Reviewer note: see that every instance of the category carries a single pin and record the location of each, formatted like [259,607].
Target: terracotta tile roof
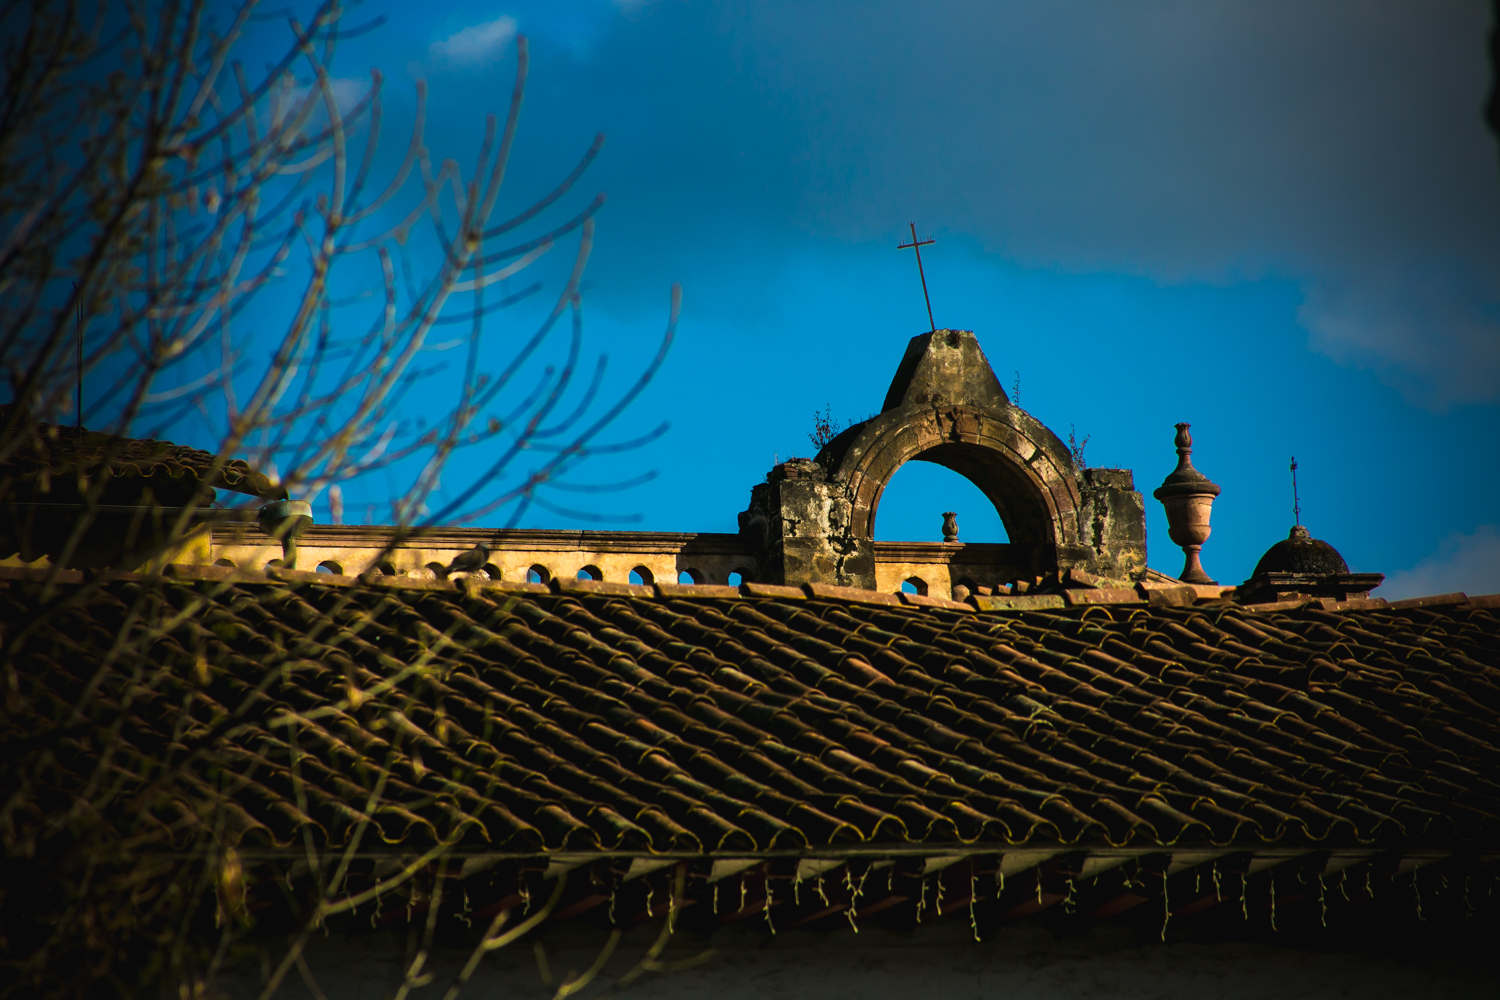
[599,718]
[52,451]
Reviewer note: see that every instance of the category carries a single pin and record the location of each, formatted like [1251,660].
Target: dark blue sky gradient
[1277,221]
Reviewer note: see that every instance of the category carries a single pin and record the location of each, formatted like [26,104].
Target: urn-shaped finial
[1188,497]
[950,526]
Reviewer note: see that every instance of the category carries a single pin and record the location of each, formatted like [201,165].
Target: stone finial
[1188,497]
[950,526]
[285,520]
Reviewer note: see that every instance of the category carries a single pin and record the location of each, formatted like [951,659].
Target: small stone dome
[1302,554]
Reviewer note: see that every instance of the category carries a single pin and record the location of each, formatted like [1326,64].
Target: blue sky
[1277,221]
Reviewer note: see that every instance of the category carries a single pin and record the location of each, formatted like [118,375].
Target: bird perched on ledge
[471,561]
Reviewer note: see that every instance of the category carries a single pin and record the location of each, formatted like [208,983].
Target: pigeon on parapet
[471,561]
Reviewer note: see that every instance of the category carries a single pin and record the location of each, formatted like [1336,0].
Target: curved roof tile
[602,722]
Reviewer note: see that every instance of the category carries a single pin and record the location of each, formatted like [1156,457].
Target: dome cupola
[1301,567]
[1302,554]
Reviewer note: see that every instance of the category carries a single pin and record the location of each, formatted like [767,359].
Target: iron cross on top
[917,245]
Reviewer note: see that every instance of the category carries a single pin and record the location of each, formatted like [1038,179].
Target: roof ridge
[1014,604]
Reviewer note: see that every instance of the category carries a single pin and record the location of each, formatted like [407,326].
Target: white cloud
[347,93]
[476,43]
[1470,563]
[1435,335]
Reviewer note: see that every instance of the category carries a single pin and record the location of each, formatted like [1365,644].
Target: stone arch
[814,520]
[1019,465]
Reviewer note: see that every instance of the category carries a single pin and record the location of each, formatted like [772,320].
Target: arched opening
[1017,464]
[229,563]
[690,576]
[738,576]
[492,571]
[642,577]
[914,585]
[590,573]
[384,568]
[538,574]
[911,507]
[329,566]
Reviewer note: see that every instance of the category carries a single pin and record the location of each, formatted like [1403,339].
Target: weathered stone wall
[799,526]
[1112,523]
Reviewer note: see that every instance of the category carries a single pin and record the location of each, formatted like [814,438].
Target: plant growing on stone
[825,428]
[1075,448]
